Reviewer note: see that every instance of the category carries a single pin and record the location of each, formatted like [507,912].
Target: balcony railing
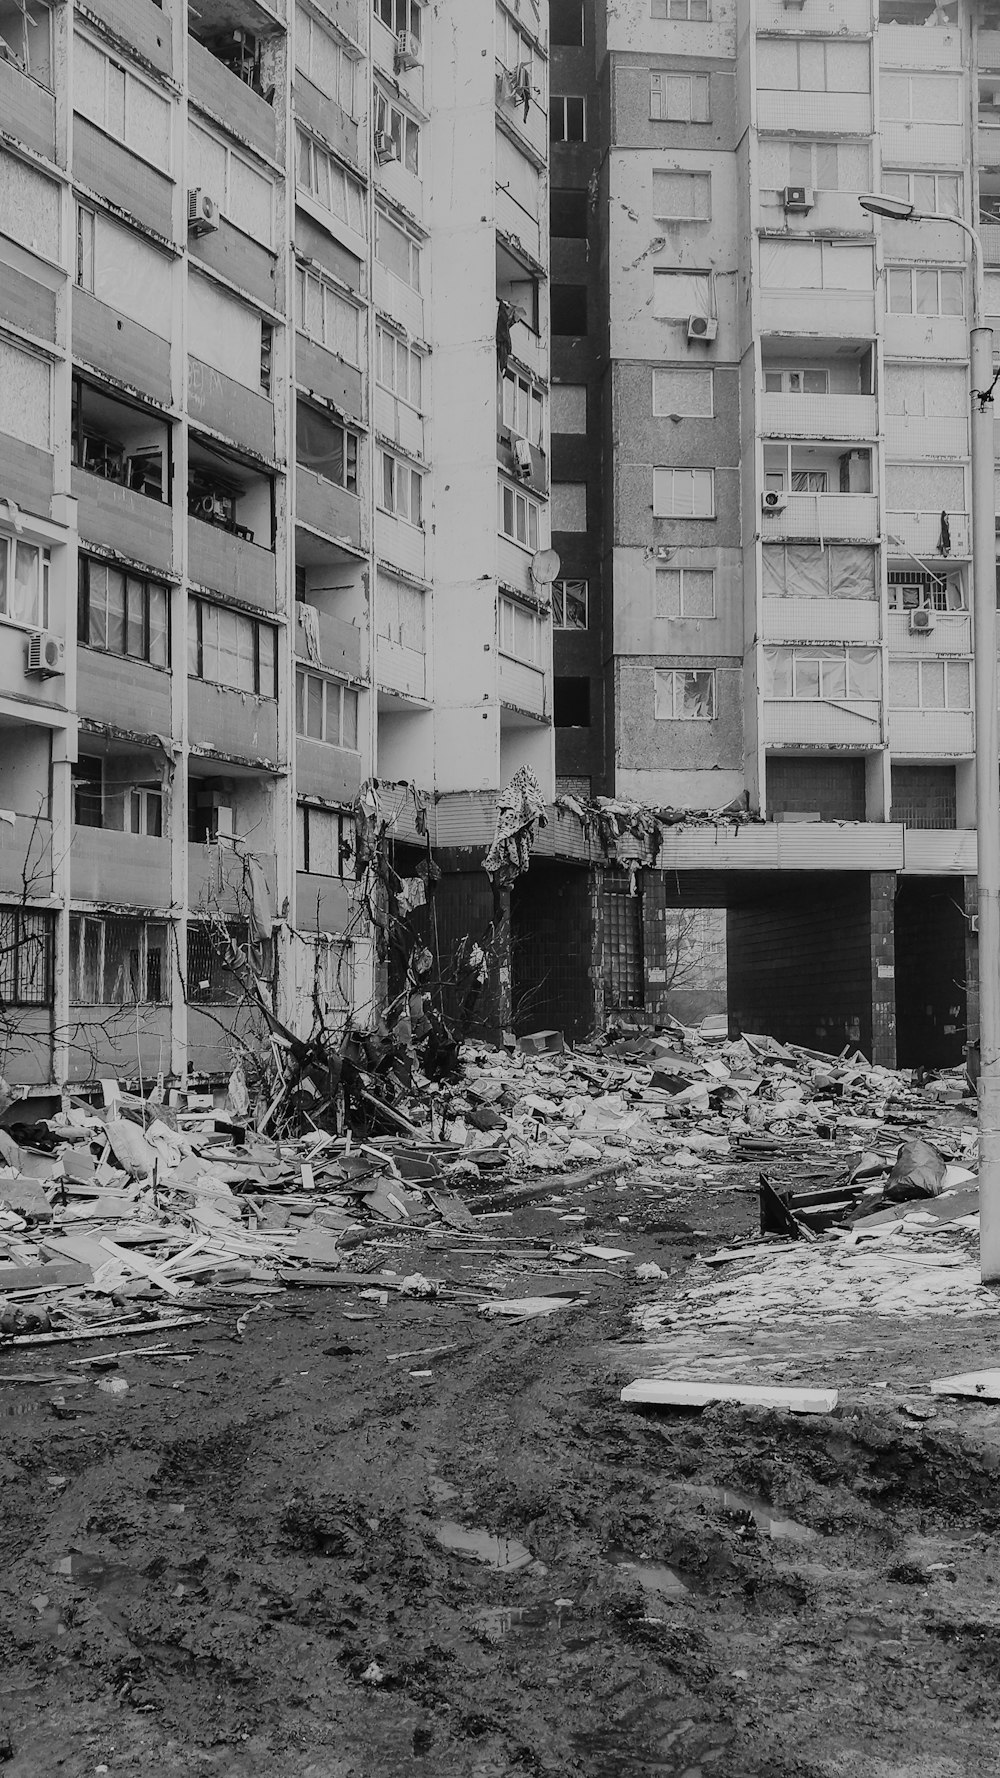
[951,635]
[820,416]
[853,516]
[820,620]
[846,113]
[927,733]
[789,722]
[919,46]
[919,533]
[911,435]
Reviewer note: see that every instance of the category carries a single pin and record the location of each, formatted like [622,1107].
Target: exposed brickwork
[554,950]
[833,788]
[924,795]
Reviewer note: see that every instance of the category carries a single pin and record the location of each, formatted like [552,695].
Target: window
[682,196]
[684,694]
[326,447]
[24,583]
[804,380]
[324,61]
[85,225]
[326,710]
[26,381]
[397,250]
[25,958]
[684,493]
[324,841]
[402,131]
[808,571]
[569,506]
[401,489]
[813,65]
[696,11]
[685,592]
[144,810]
[121,104]
[330,184]
[689,393]
[798,481]
[568,215]
[117,961]
[680,98]
[26,38]
[925,290]
[519,633]
[518,516]
[568,403]
[515,50]
[226,647]
[326,316]
[566,22]
[569,605]
[930,685]
[87,778]
[624,968]
[243,191]
[815,265]
[910,590]
[122,613]
[568,308]
[838,674]
[570,702]
[567,119]
[398,367]
[920,98]
[400,15]
[678,295]
[522,407]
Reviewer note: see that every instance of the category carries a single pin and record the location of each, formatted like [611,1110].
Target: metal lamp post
[987,728]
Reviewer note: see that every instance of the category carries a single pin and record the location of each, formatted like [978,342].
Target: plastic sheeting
[841,674]
[804,571]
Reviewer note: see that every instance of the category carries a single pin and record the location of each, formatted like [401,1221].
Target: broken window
[117,961]
[88,791]
[26,37]
[326,447]
[120,441]
[209,980]
[26,946]
[570,701]
[569,604]
[566,22]
[568,215]
[24,583]
[569,309]
[567,118]
[397,134]
[400,489]
[522,407]
[324,841]
[684,694]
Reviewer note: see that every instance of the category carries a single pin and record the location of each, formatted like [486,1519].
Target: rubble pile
[137,1214]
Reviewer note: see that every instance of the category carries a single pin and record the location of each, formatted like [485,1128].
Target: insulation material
[816,672]
[805,571]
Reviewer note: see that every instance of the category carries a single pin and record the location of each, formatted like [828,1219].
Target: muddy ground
[240,1565]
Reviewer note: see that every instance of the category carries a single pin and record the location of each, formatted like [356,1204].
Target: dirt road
[425,1544]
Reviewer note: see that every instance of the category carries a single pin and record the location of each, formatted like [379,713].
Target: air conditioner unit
[522,457]
[773,500]
[46,654]
[798,199]
[921,620]
[408,53]
[702,327]
[203,213]
[385,147]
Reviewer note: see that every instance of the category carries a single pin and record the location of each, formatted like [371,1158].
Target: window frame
[896,269]
[682,11]
[329,293]
[512,617]
[415,246]
[96,925]
[394,472]
[343,838]
[144,587]
[518,393]
[923,666]
[316,31]
[680,615]
[350,448]
[691,471]
[700,181]
[675,675]
[131,78]
[658,109]
[10,546]
[392,119]
[23,59]
[559,104]
[518,501]
[410,10]
[401,347]
[319,156]
[559,607]
[199,643]
[22,929]
[330,684]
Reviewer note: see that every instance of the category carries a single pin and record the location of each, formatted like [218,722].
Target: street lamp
[987,729]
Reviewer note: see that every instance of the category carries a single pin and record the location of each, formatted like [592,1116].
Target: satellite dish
[544,567]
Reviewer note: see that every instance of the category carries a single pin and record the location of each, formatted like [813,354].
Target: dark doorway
[931,1008]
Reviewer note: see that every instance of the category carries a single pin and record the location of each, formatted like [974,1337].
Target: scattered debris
[660,1392]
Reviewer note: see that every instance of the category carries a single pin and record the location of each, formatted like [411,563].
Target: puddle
[746,1506]
[484,1546]
[497,1621]
[653,1577]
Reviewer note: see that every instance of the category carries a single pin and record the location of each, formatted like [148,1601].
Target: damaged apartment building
[761,496]
[263,544]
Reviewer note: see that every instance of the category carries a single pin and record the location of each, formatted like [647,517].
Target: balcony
[919,532]
[816,18]
[120,347]
[835,314]
[820,620]
[397,419]
[132,524]
[217,879]
[142,25]
[119,869]
[239,413]
[323,374]
[401,669]
[919,46]
[787,722]
[324,116]
[217,90]
[937,852]
[225,563]
[128,693]
[28,110]
[27,475]
[820,416]
[400,543]
[845,114]
[921,144]
[126,181]
[233,723]
[326,508]
[952,634]
[322,904]
[108,1041]
[928,734]
[338,642]
[910,436]
[838,211]
[26,857]
[852,517]
[332,773]
[522,687]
